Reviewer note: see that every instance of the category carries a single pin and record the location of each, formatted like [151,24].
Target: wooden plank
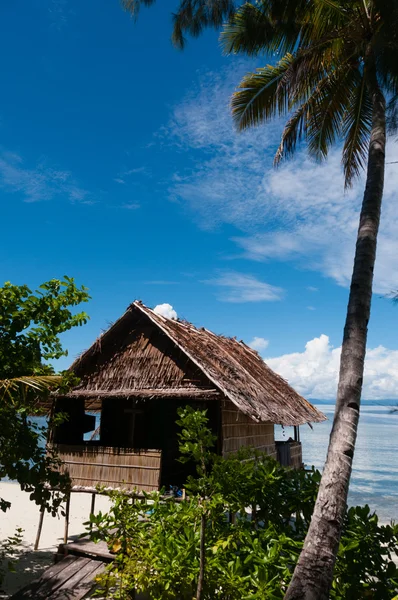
[48,588]
[80,583]
[81,588]
[29,591]
[85,547]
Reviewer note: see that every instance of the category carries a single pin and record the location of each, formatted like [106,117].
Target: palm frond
[317,118]
[193,16]
[327,114]
[133,6]
[253,30]
[327,15]
[293,132]
[277,89]
[296,128]
[357,125]
[261,96]
[392,116]
[21,385]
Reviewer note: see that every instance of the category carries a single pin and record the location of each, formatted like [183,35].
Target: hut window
[91,426]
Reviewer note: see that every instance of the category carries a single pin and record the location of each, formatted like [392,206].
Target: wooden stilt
[48,440]
[41,518]
[92,504]
[92,508]
[67,508]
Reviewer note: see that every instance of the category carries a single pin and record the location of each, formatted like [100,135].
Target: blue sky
[119,166]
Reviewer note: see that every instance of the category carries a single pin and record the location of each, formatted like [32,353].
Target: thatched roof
[217,365]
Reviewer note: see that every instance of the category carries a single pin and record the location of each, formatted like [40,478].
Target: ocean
[374,479]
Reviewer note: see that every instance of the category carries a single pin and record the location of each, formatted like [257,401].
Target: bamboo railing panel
[118,468]
[296,455]
[240,431]
[289,454]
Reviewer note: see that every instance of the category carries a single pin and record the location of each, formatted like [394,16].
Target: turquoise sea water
[375,470]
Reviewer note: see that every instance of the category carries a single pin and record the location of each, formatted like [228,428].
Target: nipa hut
[135,377]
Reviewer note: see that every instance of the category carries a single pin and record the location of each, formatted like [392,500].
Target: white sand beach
[25,514]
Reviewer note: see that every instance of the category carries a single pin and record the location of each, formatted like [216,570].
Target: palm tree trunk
[313,574]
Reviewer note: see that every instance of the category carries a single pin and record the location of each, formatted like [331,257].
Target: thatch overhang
[217,367]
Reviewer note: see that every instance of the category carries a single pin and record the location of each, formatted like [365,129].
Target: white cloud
[239,287]
[165,310]
[298,213]
[131,206]
[311,288]
[311,308]
[41,182]
[259,344]
[314,372]
[125,173]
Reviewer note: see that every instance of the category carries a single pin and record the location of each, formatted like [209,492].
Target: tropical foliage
[157,541]
[30,326]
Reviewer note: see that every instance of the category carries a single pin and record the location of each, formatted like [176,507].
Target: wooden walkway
[73,577]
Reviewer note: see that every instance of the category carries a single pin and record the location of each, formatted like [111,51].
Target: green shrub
[156,541]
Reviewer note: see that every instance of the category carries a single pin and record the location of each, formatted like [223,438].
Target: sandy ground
[25,514]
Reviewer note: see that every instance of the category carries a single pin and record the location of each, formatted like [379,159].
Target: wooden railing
[90,465]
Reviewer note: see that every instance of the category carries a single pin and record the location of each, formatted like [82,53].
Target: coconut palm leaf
[193,16]
[262,95]
[255,30]
[133,6]
[325,123]
[304,124]
[39,384]
[357,125]
[277,89]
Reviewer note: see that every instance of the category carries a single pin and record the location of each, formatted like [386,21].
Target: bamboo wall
[124,468]
[296,456]
[239,430]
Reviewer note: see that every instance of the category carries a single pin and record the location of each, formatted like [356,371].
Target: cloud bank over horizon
[314,372]
[298,213]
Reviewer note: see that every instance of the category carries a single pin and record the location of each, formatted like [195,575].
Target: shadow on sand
[28,564]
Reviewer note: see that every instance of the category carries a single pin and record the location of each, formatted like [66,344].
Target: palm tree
[336,80]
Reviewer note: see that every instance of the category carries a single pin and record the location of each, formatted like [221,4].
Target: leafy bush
[157,541]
